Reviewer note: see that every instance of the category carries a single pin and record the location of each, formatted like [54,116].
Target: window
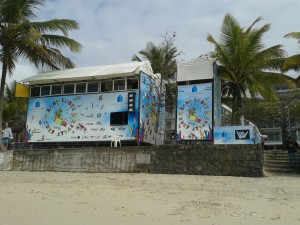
[118,118]
[80,88]
[45,90]
[35,91]
[132,83]
[93,87]
[106,85]
[56,89]
[269,125]
[69,89]
[119,85]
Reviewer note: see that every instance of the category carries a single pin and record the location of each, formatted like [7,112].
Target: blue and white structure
[95,104]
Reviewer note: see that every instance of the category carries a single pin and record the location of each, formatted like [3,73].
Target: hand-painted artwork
[81,118]
[234,134]
[194,112]
[217,97]
[148,108]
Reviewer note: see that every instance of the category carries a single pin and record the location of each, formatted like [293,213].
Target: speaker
[131,101]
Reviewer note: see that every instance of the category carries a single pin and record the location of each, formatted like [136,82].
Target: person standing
[292,147]
[6,136]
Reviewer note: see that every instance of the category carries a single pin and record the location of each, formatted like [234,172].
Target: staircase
[277,161]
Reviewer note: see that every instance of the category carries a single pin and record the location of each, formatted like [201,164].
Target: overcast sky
[111,31]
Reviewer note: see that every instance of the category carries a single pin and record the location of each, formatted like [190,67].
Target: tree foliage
[22,37]
[292,62]
[245,65]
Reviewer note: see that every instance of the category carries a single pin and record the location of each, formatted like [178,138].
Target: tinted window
[45,90]
[69,89]
[93,87]
[35,91]
[132,83]
[118,118]
[81,88]
[56,89]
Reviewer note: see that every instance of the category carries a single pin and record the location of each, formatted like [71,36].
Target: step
[277,163]
[280,170]
[276,158]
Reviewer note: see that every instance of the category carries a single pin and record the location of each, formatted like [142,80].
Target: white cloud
[111,31]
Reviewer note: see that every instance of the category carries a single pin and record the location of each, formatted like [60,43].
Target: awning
[91,73]
[199,69]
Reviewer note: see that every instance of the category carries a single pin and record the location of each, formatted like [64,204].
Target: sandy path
[49,198]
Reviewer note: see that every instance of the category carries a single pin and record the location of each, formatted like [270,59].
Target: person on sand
[292,147]
[6,136]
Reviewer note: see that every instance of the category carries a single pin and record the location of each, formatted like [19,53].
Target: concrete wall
[228,160]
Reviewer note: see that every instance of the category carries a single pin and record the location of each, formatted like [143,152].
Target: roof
[198,69]
[91,73]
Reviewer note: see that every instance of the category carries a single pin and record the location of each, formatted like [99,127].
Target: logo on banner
[194,89]
[242,134]
[119,98]
[37,104]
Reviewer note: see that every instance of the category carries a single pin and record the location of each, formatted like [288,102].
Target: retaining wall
[222,160]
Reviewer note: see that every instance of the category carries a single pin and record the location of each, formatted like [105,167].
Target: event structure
[96,104]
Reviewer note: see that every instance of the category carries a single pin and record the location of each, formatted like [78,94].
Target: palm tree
[163,60]
[162,57]
[292,62]
[246,66]
[20,37]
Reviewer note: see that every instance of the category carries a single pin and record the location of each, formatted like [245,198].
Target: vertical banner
[194,112]
[148,108]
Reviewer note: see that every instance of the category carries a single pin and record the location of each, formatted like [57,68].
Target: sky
[111,31]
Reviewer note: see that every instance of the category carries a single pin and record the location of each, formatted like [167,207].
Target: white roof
[91,73]
[199,69]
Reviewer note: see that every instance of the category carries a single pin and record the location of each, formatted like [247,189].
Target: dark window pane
[81,88]
[45,90]
[93,87]
[69,89]
[118,118]
[56,90]
[132,83]
[35,91]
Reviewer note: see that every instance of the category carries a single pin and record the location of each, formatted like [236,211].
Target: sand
[55,198]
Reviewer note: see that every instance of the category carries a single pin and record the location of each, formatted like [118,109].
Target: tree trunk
[2,87]
[237,105]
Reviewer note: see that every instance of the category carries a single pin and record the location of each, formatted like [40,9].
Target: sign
[234,134]
[194,112]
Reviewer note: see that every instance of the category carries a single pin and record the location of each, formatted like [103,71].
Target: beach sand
[56,198]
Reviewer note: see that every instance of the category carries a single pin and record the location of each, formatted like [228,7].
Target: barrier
[6,160]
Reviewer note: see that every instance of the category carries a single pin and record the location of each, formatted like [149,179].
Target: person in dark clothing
[292,147]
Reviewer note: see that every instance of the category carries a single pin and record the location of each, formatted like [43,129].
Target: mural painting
[81,118]
[194,112]
[149,89]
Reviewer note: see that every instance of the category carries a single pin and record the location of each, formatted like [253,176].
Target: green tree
[163,57]
[292,62]
[280,113]
[38,42]
[246,67]
[163,60]
[14,110]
